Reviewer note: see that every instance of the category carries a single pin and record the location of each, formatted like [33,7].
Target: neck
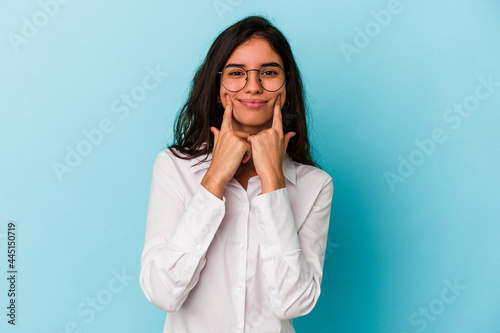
[247,168]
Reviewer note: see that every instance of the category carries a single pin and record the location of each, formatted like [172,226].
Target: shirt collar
[288,166]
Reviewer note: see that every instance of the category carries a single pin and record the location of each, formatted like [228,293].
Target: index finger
[277,118]
[227,119]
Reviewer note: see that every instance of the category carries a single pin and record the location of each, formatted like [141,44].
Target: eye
[235,72]
[269,72]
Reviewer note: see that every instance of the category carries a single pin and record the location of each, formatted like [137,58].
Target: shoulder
[311,194]
[166,157]
[171,155]
[174,161]
[167,162]
[311,183]
[309,173]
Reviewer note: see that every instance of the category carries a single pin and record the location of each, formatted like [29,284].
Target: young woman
[238,213]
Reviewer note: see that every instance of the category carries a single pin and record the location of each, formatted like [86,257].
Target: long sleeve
[293,259]
[179,230]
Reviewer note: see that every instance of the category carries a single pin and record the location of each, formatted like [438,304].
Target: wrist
[272,182]
[214,184]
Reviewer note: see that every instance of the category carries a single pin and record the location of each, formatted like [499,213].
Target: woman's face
[253,105]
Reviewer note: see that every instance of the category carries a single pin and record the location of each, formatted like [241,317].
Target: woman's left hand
[268,151]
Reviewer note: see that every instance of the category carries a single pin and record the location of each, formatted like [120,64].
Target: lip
[252,103]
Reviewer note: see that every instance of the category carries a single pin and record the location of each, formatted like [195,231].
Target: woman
[238,213]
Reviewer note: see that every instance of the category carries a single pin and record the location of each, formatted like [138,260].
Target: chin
[254,119]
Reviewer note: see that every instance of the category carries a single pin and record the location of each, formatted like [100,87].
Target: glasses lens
[234,78]
[272,78]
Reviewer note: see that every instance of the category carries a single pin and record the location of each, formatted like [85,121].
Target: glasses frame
[246,79]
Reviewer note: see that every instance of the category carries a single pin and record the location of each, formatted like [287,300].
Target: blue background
[412,213]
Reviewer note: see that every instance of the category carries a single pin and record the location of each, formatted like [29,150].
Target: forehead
[253,53]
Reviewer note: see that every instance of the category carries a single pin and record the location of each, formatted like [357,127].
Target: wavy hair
[192,135]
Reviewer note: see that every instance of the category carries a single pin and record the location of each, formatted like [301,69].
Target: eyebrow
[267,64]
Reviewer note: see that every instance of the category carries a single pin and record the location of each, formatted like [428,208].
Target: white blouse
[248,263]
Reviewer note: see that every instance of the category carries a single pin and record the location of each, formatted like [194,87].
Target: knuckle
[242,145]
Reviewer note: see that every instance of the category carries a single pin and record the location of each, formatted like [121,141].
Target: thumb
[216,132]
[287,138]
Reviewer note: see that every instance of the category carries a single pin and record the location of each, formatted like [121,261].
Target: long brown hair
[202,109]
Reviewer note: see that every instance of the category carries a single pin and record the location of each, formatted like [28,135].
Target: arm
[292,260]
[178,234]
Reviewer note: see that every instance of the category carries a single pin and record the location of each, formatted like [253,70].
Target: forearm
[171,264]
[292,259]
[163,281]
[180,228]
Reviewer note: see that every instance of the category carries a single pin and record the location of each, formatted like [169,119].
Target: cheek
[222,97]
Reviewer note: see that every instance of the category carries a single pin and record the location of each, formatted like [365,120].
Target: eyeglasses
[235,79]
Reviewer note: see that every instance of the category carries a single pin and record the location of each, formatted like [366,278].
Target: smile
[252,103]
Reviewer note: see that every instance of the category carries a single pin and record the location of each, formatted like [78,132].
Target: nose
[253,82]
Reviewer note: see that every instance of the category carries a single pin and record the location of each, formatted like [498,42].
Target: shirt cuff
[201,219]
[275,224]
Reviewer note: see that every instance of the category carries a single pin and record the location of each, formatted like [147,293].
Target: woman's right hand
[230,150]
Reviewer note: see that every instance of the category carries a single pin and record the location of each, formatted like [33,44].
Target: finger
[227,120]
[215,131]
[277,119]
[286,139]
[243,135]
[247,156]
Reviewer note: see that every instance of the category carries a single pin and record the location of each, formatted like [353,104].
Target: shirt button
[266,247]
[240,287]
[217,213]
[206,231]
[243,208]
[238,327]
[199,247]
[242,246]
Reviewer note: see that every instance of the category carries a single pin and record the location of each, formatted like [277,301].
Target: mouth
[252,103]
